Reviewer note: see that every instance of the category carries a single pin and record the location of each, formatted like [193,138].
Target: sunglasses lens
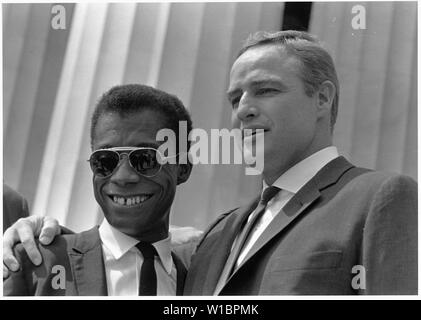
[104,162]
[145,162]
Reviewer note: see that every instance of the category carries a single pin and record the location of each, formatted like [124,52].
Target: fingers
[49,230]
[5,272]
[25,233]
[23,230]
[9,261]
[9,240]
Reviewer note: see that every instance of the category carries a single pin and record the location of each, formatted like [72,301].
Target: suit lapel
[292,210]
[307,195]
[87,262]
[181,274]
[222,247]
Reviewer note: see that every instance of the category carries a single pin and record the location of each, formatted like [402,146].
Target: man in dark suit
[130,253]
[328,227]
[15,206]
[320,224]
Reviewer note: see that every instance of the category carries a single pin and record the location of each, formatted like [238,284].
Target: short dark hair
[127,99]
[316,63]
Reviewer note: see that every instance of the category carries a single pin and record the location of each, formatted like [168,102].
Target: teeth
[130,201]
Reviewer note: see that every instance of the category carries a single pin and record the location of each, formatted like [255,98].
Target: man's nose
[247,108]
[124,173]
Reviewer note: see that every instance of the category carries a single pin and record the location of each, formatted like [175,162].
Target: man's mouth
[130,200]
[247,133]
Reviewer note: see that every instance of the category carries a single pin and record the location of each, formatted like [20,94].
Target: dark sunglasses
[145,161]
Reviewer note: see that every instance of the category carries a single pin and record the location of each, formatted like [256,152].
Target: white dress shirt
[123,262]
[289,183]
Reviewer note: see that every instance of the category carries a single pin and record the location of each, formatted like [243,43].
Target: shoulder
[387,199]
[11,194]
[394,188]
[385,182]
[13,199]
[58,250]
[55,253]
[379,191]
[216,225]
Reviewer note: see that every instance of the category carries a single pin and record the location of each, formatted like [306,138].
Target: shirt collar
[297,176]
[119,243]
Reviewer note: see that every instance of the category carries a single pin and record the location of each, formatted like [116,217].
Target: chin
[130,230]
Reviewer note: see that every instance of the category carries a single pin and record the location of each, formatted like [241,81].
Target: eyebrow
[106,146]
[147,144]
[259,83]
[232,93]
[276,82]
[138,145]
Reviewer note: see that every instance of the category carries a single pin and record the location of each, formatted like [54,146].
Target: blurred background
[53,77]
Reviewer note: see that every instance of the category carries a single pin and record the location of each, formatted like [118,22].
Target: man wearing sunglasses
[130,253]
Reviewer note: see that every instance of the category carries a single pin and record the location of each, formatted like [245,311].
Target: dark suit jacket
[14,206]
[80,256]
[344,220]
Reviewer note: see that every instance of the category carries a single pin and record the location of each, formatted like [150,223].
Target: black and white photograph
[162,149]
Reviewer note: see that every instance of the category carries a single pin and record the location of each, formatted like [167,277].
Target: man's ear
[183,172]
[325,95]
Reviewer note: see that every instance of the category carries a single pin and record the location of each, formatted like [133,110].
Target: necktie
[267,195]
[147,284]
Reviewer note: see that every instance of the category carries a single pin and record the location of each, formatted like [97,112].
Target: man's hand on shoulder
[24,230]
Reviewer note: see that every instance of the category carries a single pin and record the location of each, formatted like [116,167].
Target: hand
[182,235]
[24,231]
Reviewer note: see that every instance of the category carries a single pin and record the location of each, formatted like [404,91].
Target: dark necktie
[148,280]
[267,195]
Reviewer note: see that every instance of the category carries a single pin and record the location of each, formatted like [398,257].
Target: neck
[152,235]
[273,171]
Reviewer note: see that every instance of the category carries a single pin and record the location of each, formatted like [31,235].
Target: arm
[24,230]
[390,239]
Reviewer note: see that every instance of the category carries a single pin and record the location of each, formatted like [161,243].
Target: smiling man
[130,253]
